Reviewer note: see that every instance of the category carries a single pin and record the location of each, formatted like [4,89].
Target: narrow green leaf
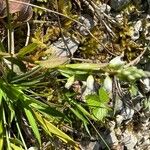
[11,113]
[44,108]
[15,147]
[79,115]
[51,129]
[1,123]
[27,49]
[2,48]
[26,75]
[33,124]
[70,72]
[84,66]
[86,113]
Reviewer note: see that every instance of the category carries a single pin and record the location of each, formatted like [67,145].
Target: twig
[136,60]
[62,35]
[28,34]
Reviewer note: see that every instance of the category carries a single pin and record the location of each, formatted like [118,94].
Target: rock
[59,47]
[127,113]
[104,8]
[137,29]
[145,85]
[119,4]
[88,22]
[88,145]
[110,139]
[112,125]
[119,119]
[129,139]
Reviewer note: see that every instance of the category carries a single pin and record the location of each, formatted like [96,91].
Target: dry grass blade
[53,62]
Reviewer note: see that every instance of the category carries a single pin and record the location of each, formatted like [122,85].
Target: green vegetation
[45,96]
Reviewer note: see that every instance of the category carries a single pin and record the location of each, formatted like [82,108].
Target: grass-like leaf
[1,123]
[33,124]
[27,49]
[51,129]
[84,66]
[52,62]
[15,147]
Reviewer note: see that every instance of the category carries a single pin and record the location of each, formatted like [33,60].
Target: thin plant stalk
[22,139]
[5,125]
[10,31]
[100,136]
[28,34]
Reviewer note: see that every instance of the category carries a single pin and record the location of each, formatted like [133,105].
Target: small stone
[112,125]
[112,139]
[91,146]
[104,8]
[88,22]
[129,140]
[127,113]
[119,119]
[59,47]
[145,85]
[137,29]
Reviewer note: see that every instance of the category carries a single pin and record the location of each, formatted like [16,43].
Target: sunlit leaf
[33,124]
[84,111]
[103,95]
[93,100]
[51,129]
[15,147]
[79,115]
[27,49]
[100,113]
[44,108]
[85,66]
[70,72]
[52,62]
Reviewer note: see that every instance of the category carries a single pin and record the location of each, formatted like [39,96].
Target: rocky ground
[106,29]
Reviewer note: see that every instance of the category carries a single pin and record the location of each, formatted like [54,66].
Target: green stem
[9,27]
[10,33]
[22,139]
[5,126]
[98,133]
